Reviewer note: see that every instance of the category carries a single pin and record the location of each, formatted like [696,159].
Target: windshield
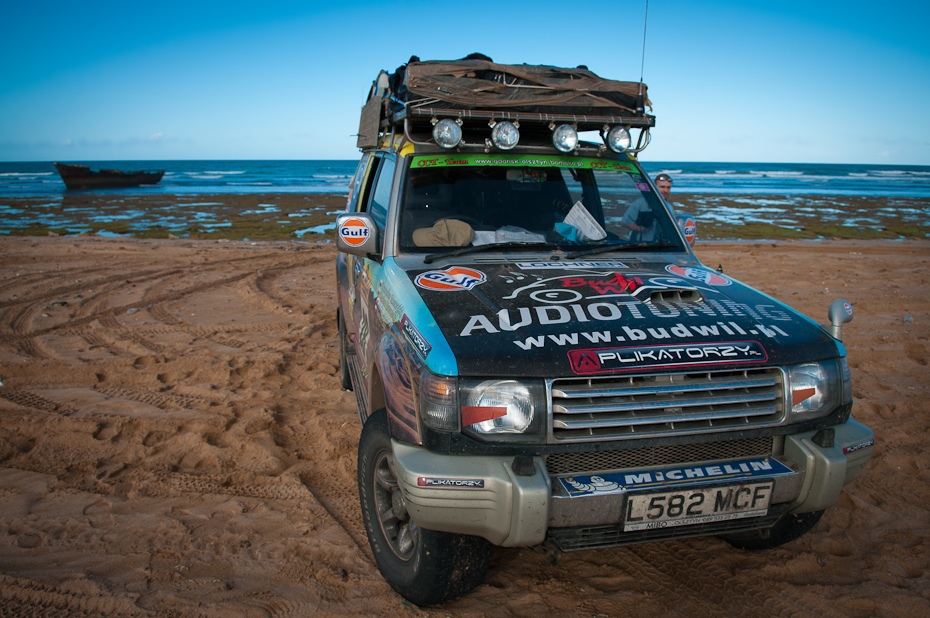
[533,201]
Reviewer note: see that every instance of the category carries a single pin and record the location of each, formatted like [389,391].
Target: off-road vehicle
[538,357]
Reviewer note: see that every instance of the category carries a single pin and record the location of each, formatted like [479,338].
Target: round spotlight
[447,133]
[618,139]
[505,135]
[565,138]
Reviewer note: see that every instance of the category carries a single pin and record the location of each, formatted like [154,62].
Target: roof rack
[476,92]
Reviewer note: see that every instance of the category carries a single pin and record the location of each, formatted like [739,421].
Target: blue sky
[814,81]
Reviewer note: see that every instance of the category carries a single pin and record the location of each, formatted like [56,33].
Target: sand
[175,443]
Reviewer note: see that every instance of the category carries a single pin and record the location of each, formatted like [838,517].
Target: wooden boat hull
[79,177]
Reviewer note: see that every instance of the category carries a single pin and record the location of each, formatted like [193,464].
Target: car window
[381,196]
[475,200]
[355,185]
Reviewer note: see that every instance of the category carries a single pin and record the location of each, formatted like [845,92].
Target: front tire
[785,530]
[424,566]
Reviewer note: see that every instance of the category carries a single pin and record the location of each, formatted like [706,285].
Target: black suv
[539,359]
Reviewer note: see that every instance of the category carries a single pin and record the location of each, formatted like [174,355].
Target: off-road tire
[787,529]
[424,566]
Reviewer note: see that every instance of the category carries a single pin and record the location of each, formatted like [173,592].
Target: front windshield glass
[571,203]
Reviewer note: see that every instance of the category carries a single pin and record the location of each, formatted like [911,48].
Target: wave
[776,173]
[898,173]
[211,174]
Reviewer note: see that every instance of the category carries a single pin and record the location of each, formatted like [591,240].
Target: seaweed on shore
[310,217]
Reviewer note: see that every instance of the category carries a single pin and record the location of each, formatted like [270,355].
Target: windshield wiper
[432,257]
[617,247]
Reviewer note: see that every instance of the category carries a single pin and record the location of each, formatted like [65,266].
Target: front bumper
[484,496]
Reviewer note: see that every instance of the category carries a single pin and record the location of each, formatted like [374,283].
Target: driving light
[447,133]
[565,138]
[505,134]
[618,139]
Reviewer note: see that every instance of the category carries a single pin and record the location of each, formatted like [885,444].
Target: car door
[363,273]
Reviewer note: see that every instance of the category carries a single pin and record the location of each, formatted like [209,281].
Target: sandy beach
[175,442]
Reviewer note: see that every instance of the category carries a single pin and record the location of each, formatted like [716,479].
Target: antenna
[642,66]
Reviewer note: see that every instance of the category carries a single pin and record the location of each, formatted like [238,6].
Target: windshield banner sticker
[460,160]
[669,477]
[611,360]
[452,279]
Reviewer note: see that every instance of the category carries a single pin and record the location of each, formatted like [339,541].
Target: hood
[550,319]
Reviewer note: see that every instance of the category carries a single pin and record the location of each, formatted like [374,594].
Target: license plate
[696,506]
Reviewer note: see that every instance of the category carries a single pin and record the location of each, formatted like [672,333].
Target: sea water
[39,179]
[190,177]
[788,195]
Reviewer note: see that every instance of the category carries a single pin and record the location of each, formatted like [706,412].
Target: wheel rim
[398,529]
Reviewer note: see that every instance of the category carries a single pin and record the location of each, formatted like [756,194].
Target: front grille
[603,461]
[595,537]
[640,406]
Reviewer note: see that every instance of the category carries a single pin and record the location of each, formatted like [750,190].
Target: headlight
[502,409]
[488,409]
[505,134]
[817,389]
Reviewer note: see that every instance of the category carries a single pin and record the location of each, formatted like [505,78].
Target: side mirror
[839,313]
[688,227]
[357,234]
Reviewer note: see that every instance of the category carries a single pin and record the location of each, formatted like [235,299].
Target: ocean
[844,200]
[39,179]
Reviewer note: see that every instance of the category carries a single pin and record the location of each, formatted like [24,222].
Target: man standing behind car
[663,183]
[639,217]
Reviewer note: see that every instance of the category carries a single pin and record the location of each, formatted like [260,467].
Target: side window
[357,182]
[381,197]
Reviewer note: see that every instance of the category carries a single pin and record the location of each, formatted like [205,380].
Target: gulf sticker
[690,230]
[452,279]
[354,232]
[698,274]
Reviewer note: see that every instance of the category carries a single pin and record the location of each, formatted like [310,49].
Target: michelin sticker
[615,482]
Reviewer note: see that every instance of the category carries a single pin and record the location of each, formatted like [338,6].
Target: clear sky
[752,81]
